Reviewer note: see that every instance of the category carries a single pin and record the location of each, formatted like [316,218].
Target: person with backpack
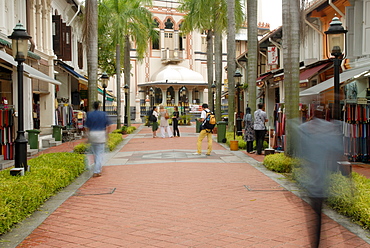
[153,119]
[206,129]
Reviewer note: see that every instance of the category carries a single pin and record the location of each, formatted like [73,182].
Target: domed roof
[175,74]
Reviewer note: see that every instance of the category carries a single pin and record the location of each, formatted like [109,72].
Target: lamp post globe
[104,80]
[20,39]
[239,131]
[126,88]
[336,42]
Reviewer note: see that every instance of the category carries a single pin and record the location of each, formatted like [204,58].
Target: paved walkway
[156,193]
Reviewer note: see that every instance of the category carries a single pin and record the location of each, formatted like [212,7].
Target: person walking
[260,117]
[164,116]
[153,118]
[175,121]
[248,130]
[96,123]
[204,132]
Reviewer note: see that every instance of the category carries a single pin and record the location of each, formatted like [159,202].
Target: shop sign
[361,100]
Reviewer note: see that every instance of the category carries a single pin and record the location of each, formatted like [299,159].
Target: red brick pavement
[184,204]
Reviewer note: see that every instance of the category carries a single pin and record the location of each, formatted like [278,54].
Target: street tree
[291,39]
[90,31]
[125,21]
[252,52]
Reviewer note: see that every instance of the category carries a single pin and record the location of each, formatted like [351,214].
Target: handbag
[166,115]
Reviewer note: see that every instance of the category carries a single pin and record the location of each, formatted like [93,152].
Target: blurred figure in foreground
[320,148]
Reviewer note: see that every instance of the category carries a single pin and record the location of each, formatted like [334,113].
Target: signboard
[83,94]
[272,55]
[361,101]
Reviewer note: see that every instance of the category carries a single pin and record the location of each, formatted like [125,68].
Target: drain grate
[95,191]
[265,188]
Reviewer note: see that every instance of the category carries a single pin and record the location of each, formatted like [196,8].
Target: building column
[176,90]
[161,33]
[3,17]
[38,32]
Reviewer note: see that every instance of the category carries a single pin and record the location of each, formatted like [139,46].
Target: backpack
[152,118]
[210,120]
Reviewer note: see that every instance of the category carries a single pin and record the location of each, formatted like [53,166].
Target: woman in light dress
[164,122]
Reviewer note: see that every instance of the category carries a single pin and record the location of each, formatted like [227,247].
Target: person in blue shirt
[96,123]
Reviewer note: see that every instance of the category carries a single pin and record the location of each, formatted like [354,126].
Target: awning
[308,73]
[31,72]
[344,76]
[110,97]
[71,71]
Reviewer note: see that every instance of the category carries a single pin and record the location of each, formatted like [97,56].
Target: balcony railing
[168,55]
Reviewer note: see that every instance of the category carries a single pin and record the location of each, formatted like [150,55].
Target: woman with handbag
[164,116]
[175,121]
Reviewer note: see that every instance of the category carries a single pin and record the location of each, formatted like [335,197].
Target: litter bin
[57,132]
[33,138]
[197,126]
[221,131]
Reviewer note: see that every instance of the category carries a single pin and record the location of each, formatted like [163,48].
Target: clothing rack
[64,114]
[7,131]
[356,130]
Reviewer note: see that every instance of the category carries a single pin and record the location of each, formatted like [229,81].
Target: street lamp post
[151,95]
[183,94]
[335,37]
[239,131]
[213,87]
[126,88]
[104,78]
[20,51]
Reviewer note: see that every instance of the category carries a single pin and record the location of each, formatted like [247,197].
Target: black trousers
[260,136]
[249,146]
[175,124]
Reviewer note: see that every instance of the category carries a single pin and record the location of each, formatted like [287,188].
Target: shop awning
[30,71]
[71,71]
[110,97]
[310,72]
[344,76]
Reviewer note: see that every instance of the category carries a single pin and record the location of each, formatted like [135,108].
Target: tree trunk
[218,72]
[231,61]
[92,50]
[127,76]
[210,68]
[291,31]
[252,53]
[118,73]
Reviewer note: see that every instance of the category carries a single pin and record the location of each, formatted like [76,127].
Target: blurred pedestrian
[260,117]
[175,121]
[248,130]
[96,123]
[164,116]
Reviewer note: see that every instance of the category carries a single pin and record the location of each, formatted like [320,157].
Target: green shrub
[81,148]
[241,143]
[130,129]
[280,163]
[350,196]
[20,196]
[113,140]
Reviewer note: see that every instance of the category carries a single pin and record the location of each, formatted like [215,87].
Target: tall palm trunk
[127,76]
[218,72]
[231,61]
[92,49]
[118,73]
[210,67]
[291,30]
[252,52]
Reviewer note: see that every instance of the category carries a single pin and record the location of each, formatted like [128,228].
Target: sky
[271,12]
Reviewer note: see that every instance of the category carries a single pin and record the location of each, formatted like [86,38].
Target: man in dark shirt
[97,123]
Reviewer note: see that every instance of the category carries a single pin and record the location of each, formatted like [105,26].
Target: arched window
[168,24]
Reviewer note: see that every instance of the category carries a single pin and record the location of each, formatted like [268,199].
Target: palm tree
[126,21]
[252,52]
[291,31]
[210,15]
[91,38]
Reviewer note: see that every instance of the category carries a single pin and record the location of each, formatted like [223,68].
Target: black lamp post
[213,87]
[126,88]
[182,95]
[151,95]
[20,51]
[239,131]
[104,81]
[335,37]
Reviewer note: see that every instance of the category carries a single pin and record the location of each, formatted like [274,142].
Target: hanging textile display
[64,115]
[7,132]
[356,130]
[279,125]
